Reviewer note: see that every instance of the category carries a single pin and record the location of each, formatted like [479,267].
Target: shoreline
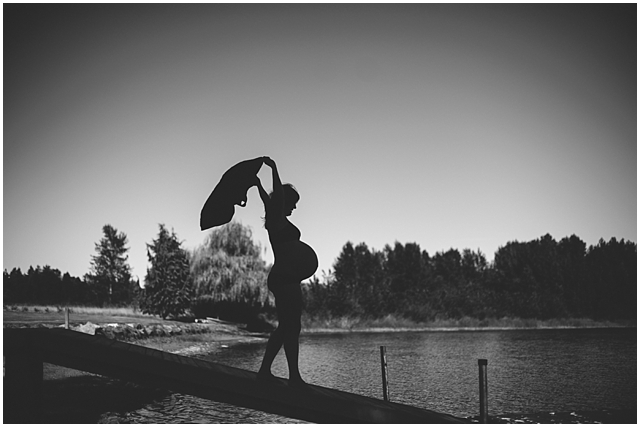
[209,335]
[194,338]
[391,323]
[453,329]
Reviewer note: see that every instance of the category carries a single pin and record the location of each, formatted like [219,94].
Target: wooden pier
[26,349]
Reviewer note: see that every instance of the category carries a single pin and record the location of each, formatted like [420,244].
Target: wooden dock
[26,349]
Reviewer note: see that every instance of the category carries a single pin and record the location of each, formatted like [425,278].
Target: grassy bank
[105,311]
[313,323]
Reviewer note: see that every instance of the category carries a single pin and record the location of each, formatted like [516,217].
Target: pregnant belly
[296,259]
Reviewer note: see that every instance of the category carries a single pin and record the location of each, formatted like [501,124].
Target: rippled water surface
[531,371]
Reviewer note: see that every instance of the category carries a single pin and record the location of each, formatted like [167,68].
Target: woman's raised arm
[263,193]
[276,202]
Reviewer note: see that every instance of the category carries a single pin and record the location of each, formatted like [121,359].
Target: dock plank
[209,380]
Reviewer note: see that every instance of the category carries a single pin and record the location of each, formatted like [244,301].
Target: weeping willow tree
[228,268]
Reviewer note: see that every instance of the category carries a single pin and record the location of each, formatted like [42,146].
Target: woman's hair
[290,194]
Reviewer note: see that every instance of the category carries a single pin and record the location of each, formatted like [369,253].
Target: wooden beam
[22,386]
[208,380]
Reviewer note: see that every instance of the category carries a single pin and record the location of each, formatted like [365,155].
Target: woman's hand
[269,162]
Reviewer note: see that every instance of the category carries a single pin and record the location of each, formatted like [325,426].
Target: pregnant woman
[294,262]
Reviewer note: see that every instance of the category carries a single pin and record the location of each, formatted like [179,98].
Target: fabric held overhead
[231,190]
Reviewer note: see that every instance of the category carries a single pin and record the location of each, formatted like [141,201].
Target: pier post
[385,377]
[22,398]
[66,317]
[484,404]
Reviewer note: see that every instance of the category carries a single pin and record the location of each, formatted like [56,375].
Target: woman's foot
[266,376]
[297,382]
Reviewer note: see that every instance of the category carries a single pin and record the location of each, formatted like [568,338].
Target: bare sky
[452,126]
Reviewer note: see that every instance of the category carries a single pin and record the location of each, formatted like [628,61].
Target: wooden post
[66,317]
[484,404]
[385,382]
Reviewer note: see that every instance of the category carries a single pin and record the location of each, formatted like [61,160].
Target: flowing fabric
[231,190]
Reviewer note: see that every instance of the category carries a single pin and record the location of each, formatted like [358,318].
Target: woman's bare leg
[287,334]
[274,344]
[291,331]
[292,350]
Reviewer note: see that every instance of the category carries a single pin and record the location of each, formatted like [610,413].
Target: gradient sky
[452,126]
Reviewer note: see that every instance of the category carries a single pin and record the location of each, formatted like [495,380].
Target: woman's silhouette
[294,261]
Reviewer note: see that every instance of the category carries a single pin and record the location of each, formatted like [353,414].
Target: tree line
[226,277]
[541,279]
[108,282]
[223,277]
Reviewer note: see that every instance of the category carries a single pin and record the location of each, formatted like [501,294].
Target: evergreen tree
[168,286]
[315,295]
[13,286]
[110,274]
[345,279]
[406,270]
[372,292]
[572,259]
[612,271]
[43,286]
[357,285]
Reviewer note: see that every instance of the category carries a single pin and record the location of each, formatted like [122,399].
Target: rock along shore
[140,331]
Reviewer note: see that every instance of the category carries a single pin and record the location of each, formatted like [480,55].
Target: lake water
[529,372]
